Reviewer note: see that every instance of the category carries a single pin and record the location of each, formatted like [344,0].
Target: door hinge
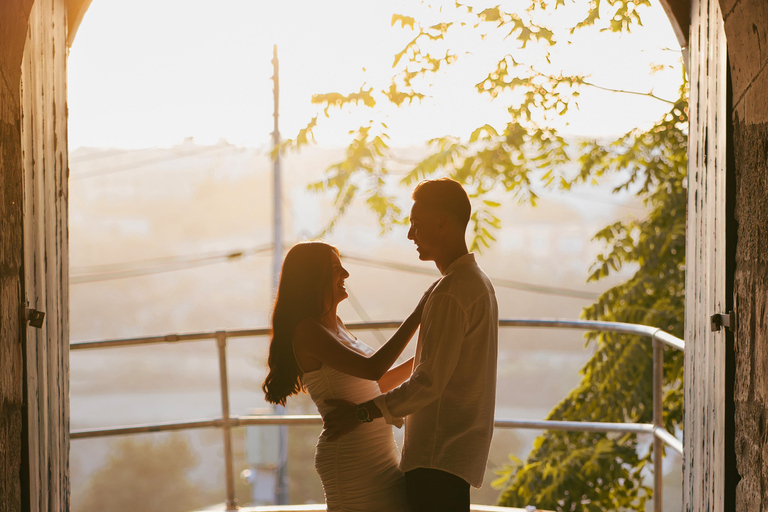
[34,317]
[719,320]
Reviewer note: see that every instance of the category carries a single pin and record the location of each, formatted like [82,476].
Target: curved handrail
[586,325]
[226,422]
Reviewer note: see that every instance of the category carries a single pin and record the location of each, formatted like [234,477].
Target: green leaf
[405,21]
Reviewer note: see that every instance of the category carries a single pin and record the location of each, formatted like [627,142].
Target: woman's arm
[396,376]
[313,340]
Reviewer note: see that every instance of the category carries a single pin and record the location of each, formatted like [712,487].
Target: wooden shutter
[46,264]
[703,471]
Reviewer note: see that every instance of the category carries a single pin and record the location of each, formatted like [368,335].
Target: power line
[98,273]
[592,198]
[503,283]
[133,265]
[109,276]
[99,156]
[136,165]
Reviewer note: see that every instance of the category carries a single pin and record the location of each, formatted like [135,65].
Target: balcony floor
[321,508]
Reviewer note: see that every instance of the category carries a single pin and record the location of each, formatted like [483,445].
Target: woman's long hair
[305,282]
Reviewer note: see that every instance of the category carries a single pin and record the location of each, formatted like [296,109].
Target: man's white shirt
[450,397]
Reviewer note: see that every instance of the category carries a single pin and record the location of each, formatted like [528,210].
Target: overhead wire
[503,283]
[135,165]
[98,273]
[99,155]
[142,163]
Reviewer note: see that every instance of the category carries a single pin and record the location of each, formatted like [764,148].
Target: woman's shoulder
[307,327]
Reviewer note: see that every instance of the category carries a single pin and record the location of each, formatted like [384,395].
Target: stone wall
[746,27]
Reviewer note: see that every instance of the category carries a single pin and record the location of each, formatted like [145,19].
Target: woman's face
[338,275]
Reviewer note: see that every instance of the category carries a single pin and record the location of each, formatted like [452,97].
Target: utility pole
[277,185]
[281,486]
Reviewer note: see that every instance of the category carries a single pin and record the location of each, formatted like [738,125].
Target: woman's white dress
[360,471]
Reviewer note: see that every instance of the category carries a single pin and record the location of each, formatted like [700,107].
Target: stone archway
[746,30]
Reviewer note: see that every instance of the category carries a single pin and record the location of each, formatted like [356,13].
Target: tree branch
[637,93]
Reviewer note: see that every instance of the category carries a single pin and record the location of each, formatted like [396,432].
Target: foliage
[526,151]
[565,471]
[586,471]
[144,475]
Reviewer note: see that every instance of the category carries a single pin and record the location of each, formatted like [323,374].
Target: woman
[312,350]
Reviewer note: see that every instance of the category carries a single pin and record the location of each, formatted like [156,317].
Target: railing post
[221,341]
[658,420]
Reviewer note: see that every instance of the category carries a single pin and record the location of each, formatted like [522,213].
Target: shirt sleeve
[442,326]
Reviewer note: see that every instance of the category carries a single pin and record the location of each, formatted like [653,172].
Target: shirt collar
[461,260]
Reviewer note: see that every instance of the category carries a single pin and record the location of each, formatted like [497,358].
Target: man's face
[425,231]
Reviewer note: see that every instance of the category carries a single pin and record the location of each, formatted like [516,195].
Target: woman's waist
[377,431]
[328,391]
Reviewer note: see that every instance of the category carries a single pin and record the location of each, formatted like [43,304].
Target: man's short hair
[446,196]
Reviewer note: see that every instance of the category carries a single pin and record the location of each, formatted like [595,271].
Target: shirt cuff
[381,403]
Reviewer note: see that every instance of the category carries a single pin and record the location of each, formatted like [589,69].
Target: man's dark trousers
[432,490]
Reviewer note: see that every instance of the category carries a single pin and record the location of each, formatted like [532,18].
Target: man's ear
[442,223]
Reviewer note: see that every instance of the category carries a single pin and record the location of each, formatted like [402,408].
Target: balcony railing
[226,422]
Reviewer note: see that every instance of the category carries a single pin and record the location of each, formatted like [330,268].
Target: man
[450,397]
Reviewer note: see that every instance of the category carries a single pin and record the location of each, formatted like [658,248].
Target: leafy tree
[587,471]
[565,471]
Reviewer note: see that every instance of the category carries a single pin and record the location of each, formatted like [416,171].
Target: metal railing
[226,422]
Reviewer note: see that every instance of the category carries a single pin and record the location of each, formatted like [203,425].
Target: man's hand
[341,420]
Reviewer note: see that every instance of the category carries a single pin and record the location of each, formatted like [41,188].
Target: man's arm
[347,416]
[443,325]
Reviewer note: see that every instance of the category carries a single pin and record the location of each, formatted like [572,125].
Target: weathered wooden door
[46,264]
[705,349]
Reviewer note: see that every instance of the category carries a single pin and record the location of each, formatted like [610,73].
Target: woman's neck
[329,319]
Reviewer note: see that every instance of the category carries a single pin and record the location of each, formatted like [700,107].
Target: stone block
[751,290]
[760,340]
[726,6]
[755,99]
[743,346]
[748,496]
[749,454]
[764,465]
[746,30]
[751,148]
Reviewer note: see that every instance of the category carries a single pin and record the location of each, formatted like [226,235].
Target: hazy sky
[151,72]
